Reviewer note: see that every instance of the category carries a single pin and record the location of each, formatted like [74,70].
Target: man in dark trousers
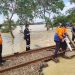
[73,32]
[1,59]
[60,42]
[27,37]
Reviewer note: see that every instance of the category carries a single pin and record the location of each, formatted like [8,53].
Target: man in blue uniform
[59,39]
[27,37]
[73,32]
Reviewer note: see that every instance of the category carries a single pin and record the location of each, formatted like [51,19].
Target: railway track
[25,62]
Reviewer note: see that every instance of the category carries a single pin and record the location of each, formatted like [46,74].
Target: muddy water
[64,67]
[39,38]
[11,46]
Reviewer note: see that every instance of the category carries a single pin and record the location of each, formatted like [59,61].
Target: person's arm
[24,34]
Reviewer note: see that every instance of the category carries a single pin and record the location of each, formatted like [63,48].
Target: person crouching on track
[60,41]
[1,60]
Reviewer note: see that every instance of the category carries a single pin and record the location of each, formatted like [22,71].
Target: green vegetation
[60,19]
[6,27]
[71,16]
[7,8]
[27,10]
[46,7]
[72,1]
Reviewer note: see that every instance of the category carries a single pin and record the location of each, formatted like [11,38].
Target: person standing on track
[27,37]
[1,59]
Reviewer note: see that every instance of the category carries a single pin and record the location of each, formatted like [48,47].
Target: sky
[67,6]
[65,1]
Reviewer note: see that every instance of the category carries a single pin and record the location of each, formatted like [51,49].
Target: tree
[71,15]
[46,7]
[49,23]
[25,11]
[72,1]
[7,8]
[6,28]
[60,19]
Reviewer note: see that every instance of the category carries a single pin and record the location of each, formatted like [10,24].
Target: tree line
[27,10]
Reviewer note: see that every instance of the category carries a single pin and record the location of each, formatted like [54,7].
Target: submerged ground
[64,67]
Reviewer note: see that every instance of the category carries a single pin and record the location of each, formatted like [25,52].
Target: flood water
[39,38]
[64,67]
[10,46]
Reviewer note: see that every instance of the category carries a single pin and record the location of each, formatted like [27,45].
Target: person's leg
[64,47]
[27,44]
[73,37]
[0,53]
[1,60]
[56,51]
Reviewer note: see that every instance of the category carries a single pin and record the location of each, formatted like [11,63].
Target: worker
[60,41]
[73,32]
[1,59]
[27,37]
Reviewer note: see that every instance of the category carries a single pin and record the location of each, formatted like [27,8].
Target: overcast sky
[67,6]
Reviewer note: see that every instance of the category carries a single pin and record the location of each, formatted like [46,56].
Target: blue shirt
[56,37]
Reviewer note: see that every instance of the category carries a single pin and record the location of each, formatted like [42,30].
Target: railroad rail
[23,59]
